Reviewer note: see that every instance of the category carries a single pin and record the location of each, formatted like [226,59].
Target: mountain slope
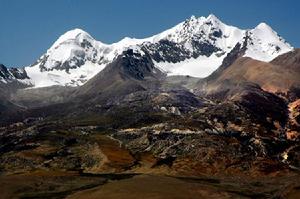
[195,47]
[9,75]
[290,60]
[128,73]
[281,75]
[12,79]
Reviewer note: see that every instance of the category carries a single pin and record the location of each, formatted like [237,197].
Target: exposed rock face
[136,65]
[4,72]
[12,79]
[130,72]
[12,74]
[168,51]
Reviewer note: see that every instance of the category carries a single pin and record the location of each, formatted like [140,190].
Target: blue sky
[29,27]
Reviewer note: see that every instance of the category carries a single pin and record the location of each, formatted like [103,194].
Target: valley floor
[72,185]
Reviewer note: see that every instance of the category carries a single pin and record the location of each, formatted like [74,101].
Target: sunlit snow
[265,45]
[200,67]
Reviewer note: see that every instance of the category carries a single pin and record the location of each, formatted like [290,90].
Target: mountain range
[195,47]
[200,99]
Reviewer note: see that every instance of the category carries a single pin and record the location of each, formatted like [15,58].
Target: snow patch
[200,67]
[266,44]
[75,77]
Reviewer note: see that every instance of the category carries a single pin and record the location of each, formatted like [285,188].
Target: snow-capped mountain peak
[73,35]
[193,17]
[71,60]
[70,51]
[263,26]
[214,19]
[190,28]
[195,47]
[265,44]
